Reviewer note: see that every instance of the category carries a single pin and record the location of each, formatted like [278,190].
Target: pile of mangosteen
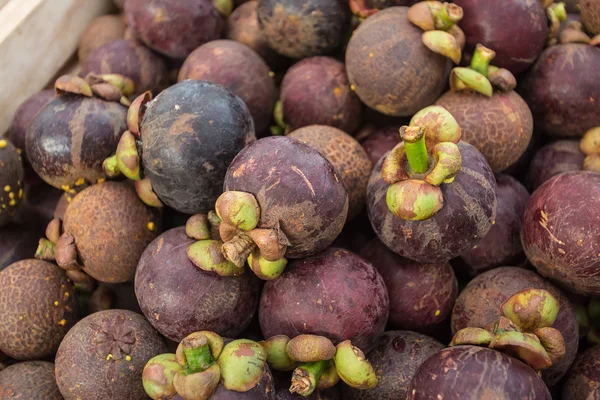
[320,199]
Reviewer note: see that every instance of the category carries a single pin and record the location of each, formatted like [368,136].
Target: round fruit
[100,31]
[380,142]
[12,175]
[22,118]
[29,380]
[590,14]
[553,159]
[583,381]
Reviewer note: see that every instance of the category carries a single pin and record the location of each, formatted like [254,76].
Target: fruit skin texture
[31,288]
[421,295]
[71,136]
[316,91]
[403,76]
[346,155]
[553,159]
[335,294]
[12,175]
[124,335]
[481,372]
[300,29]
[296,187]
[560,235]
[239,69]
[499,127]
[559,87]
[22,118]
[396,358]
[174,28]
[583,381]
[380,142]
[102,30]
[264,390]
[32,380]
[502,244]
[184,154]
[466,217]
[111,214]
[590,14]
[178,298]
[479,304]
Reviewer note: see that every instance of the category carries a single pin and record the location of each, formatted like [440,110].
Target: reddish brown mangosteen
[147,70]
[316,91]
[559,234]
[365,8]
[590,15]
[110,349]
[18,242]
[335,294]
[502,245]
[102,30]
[12,177]
[299,29]
[477,372]
[553,159]
[432,197]
[380,142]
[33,380]
[174,29]
[421,295]
[583,381]
[39,307]
[479,305]
[239,69]
[346,155]
[396,66]
[493,117]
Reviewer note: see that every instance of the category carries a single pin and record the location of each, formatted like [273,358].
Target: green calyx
[353,368]
[502,325]
[277,356]
[136,112]
[198,227]
[553,342]
[481,59]
[242,364]
[414,200]
[207,255]
[414,145]
[448,162]
[239,209]
[45,250]
[472,336]
[329,377]
[264,269]
[310,348]
[443,43]
[590,146]
[466,78]
[439,124]
[145,192]
[128,158]
[111,167]
[360,9]
[197,353]
[158,374]
[523,346]
[306,377]
[224,7]
[197,386]
[281,128]
[531,309]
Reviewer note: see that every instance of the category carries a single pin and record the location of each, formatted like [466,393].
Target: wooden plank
[3,3]
[37,37]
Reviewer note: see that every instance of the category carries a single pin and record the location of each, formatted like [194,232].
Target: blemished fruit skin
[22,118]
[100,31]
[31,380]
[583,381]
[12,183]
[479,303]
[553,159]
[479,371]
[560,235]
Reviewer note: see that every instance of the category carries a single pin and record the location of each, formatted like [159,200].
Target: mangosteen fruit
[365,8]
[174,29]
[100,31]
[39,307]
[300,29]
[590,15]
[239,69]
[502,244]
[103,355]
[346,155]
[18,242]
[380,141]
[433,196]
[480,372]
[12,175]
[316,91]
[553,159]
[583,381]
[32,380]
[22,118]
[480,302]
[335,294]
[421,295]
[560,243]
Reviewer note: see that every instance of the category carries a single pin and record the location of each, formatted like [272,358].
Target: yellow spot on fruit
[12,203]
[20,193]
[20,318]
[493,222]
[80,181]
[151,226]
[128,357]
[7,188]
[101,180]
[2,144]
[371,55]
[437,313]
[561,251]
[62,322]
[352,87]
[67,295]
[66,188]
[56,303]
[337,91]
[11,195]
[271,74]
[580,242]
[109,357]
[19,151]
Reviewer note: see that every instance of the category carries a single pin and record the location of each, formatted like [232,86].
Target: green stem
[481,59]
[306,377]
[416,151]
[559,10]
[278,115]
[45,250]
[111,167]
[197,354]
[448,16]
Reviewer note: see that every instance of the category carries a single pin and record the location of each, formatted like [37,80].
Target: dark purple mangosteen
[583,381]
[553,159]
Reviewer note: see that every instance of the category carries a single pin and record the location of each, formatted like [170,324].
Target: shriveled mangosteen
[181,143]
[396,358]
[12,175]
[477,372]
[590,15]
[559,234]
[479,305]
[335,294]
[18,242]
[239,69]
[71,135]
[102,30]
[394,66]
[33,380]
[174,29]
[109,349]
[553,159]
[421,295]
[316,91]
[502,244]
[583,381]
[39,307]
[432,197]
[299,29]
[346,155]
[493,117]
[125,57]
[380,142]
[17,130]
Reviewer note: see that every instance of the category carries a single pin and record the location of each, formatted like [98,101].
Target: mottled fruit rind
[12,177]
[112,215]
[335,294]
[296,188]
[590,15]
[190,134]
[178,298]
[560,235]
[110,349]
[479,304]
[553,159]
[583,381]
[466,217]
[38,308]
[391,70]
[22,118]
[30,380]
[100,31]
[481,372]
